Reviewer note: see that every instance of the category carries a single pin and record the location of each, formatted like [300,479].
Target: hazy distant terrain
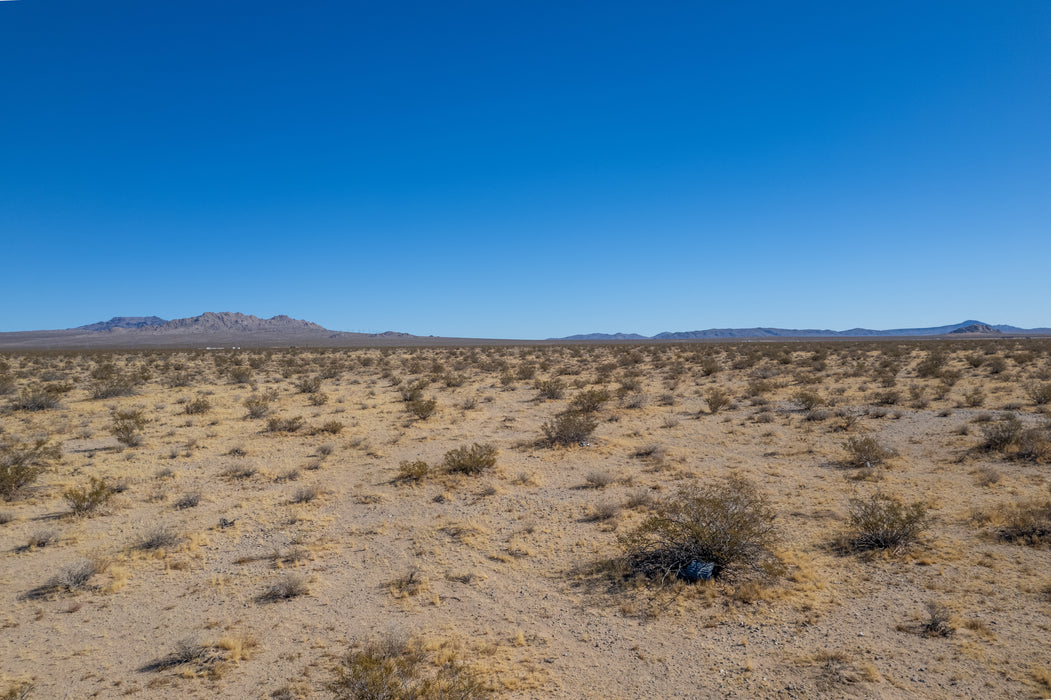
[976,327]
[228,329]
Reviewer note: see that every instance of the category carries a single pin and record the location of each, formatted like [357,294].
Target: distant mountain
[606,336]
[977,328]
[210,329]
[123,322]
[968,327]
[226,322]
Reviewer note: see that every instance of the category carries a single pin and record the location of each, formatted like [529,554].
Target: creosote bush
[111,386]
[127,426]
[1011,438]
[258,405]
[40,397]
[284,425]
[729,523]
[717,399]
[21,464]
[308,385]
[422,409]
[197,406]
[470,460]
[569,428]
[865,451]
[808,399]
[1026,523]
[589,401]
[882,521]
[550,389]
[413,471]
[1040,394]
[88,499]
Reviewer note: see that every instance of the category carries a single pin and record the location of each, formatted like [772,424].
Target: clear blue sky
[497,169]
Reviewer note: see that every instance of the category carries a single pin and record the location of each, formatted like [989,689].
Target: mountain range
[210,329]
[970,327]
[227,329]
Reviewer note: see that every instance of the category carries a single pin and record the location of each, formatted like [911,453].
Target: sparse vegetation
[413,523]
[87,500]
[729,523]
[472,459]
[717,399]
[197,406]
[415,470]
[285,588]
[394,668]
[882,521]
[40,397]
[569,428]
[865,451]
[127,426]
[22,463]
[1026,523]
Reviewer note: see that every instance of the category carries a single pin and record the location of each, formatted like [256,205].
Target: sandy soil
[508,570]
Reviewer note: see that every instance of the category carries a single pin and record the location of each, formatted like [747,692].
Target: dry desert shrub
[22,463]
[329,427]
[421,408]
[939,621]
[306,494]
[865,451]
[199,405]
[1039,393]
[394,668]
[728,523]
[284,425]
[598,479]
[285,588]
[411,583]
[160,538]
[588,401]
[472,459]
[114,385]
[1013,440]
[550,389]
[40,397]
[258,405]
[717,399]
[20,690]
[72,578]
[416,470]
[127,426]
[808,399]
[239,374]
[882,521]
[569,428]
[87,500]
[308,385]
[1028,522]
[189,500]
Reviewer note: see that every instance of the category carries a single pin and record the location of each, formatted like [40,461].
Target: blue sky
[527,170]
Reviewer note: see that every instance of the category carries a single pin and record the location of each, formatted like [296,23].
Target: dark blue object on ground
[698,571]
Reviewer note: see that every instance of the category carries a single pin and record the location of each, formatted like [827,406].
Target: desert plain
[459,521]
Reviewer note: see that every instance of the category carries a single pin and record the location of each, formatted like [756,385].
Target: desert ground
[472,521]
